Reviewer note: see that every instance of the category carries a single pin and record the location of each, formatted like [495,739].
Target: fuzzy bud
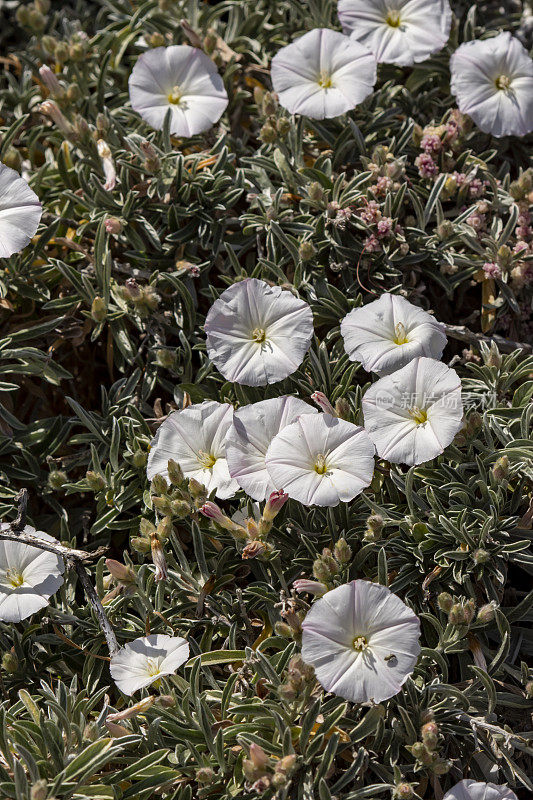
[284,126]
[98,309]
[123,575]
[480,556]
[166,358]
[158,558]
[268,134]
[342,408]
[95,480]
[10,662]
[175,472]
[500,470]
[205,775]
[159,485]
[196,488]
[445,230]
[57,479]
[140,544]
[493,358]
[50,80]
[113,225]
[403,791]
[307,251]
[39,790]
[456,615]
[315,192]
[342,551]
[445,602]
[430,735]
[486,614]
[529,690]
[50,109]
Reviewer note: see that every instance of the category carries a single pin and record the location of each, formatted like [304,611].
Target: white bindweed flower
[195,439]
[20,212]
[400,32]
[323,74]
[492,80]
[28,576]
[249,437]
[258,334]
[476,790]
[362,641]
[387,334]
[321,460]
[413,414]
[145,661]
[182,79]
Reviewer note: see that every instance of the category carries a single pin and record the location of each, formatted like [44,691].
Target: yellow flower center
[503,82]
[153,667]
[207,460]
[259,335]
[325,81]
[419,415]
[320,466]
[15,578]
[360,643]
[174,96]
[400,334]
[393,18]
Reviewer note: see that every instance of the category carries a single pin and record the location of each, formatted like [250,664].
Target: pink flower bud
[311,587]
[50,109]
[113,225]
[322,402]
[120,572]
[274,504]
[50,80]
[212,511]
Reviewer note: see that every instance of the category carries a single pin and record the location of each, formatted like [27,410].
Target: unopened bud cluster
[263,772]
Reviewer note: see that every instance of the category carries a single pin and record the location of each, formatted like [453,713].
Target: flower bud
[445,602]
[48,43]
[445,230]
[501,470]
[159,485]
[95,480]
[205,775]
[430,735]
[342,551]
[180,508]
[342,408]
[529,690]
[158,558]
[98,309]
[311,587]
[163,505]
[469,610]
[140,544]
[307,251]
[418,750]
[442,766]
[403,791]
[268,134]
[456,615]
[61,52]
[322,402]
[274,504]
[124,575]
[253,549]
[113,225]
[50,109]
[486,613]
[493,358]
[284,126]
[57,479]
[480,556]
[315,192]
[10,662]
[50,80]
[39,790]
[196,488]
[132,711]
[270,105]
[139,459]
[166,358]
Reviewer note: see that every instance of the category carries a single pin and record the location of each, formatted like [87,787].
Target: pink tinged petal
[425,384]
[369,334]
[254,426]
[359,609]
[20,212]
[413,41]
[292,457]
[252,305]
[298,69]
[475,66]
[158,71]
[476,790]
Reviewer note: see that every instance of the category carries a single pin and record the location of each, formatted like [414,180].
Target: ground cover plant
[266,478]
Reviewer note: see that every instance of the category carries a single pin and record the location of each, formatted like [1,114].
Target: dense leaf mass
[101,334]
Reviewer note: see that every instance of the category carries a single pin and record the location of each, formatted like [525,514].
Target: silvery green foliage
[102,335]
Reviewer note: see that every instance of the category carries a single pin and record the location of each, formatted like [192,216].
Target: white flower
[195,439]
[321,460]
[492,81]
[474,790]
[323,74]
[400,32]
[388,333]
[28,576]
[180,78]
[413,414]
[20,212]
[144,661]
[249,437]
[362,641]
[258,334]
